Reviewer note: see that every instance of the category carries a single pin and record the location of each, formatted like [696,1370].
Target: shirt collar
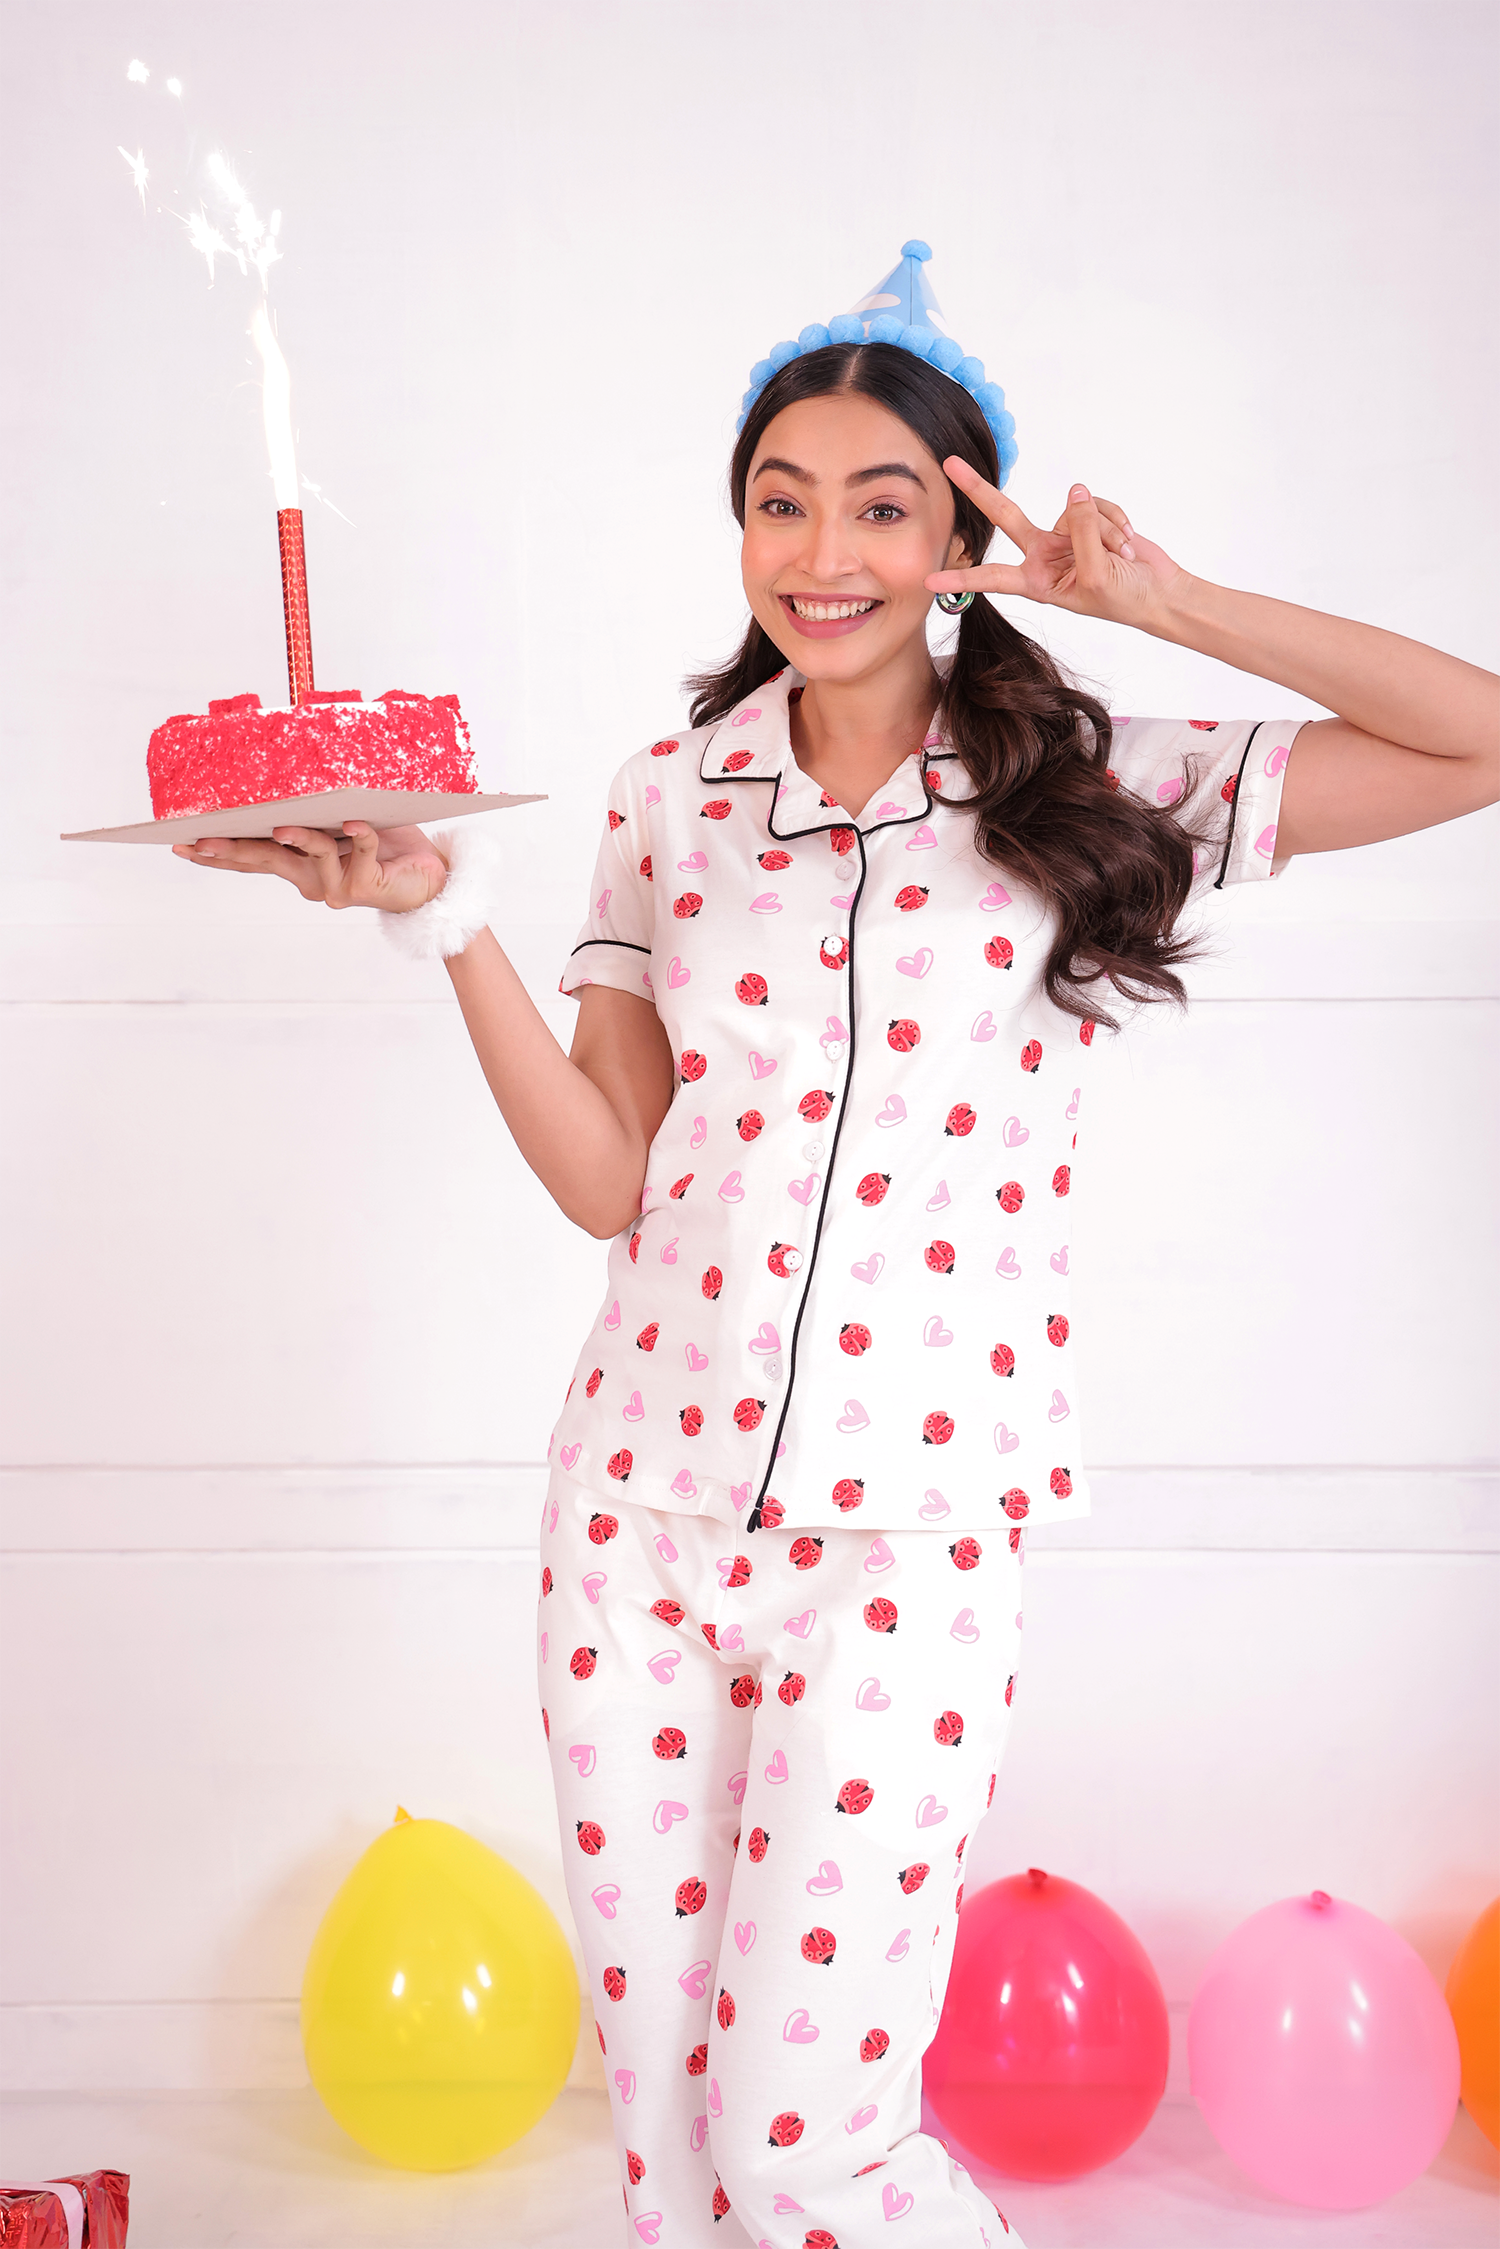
[754,743]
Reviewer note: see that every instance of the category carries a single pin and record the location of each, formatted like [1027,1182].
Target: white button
[773,1370]
[813,1150]
[846,865]
[832,944]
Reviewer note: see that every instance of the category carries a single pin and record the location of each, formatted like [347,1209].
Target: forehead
[834,437]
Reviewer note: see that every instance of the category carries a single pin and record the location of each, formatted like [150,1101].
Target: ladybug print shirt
[845,1299]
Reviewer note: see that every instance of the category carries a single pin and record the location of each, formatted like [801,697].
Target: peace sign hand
[1091,561]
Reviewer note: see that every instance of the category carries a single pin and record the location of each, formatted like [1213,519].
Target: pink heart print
[744,718]
[694,863]
[696,1360]
[715,2098]
[1168,792]
[888,811]
[797,2030]
[683,1485]
[1059,1260]
[552,1516]
[1265,844]
[894,2200]
[569,1455]
[594,1583]
[582,1756]
[1005,1439]
[732,1640]
[677,975]
[765,902]
[601,903]
[606,1898]
[994,898]
[612,1316]
[893,1113]
[964,1628]
[801,1626]
[936,1334]
[843,901]
[1008,1265]
[835,1038]
[930,1813]
[665,1548]
[785,2207]
[1277,759]
[940,1198]
[694,1981]
[744,1935]
[668,1812]
[899,1945]
[740,1494]
[776,1771]
[653,795]
[764,1339]
[921,839]
[803,1190]
[625,2079]
[662,1667]
[862,2117]
[1059,1408]
[1071,1110]
[852,1419]
[827,1879]
[871,1696]
[761,1066]
[934,1507]
[917,963]
[731,1188]
[880,1557]
[545,1639]
[698,2136]
[1015,1134]
[700,1132]
[633,1410]
[868,1268]
[983,1026]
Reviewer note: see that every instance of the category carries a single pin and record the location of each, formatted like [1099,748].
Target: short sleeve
[614,944]
[1238,766]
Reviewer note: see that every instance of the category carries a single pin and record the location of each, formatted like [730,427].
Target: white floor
[270,2171]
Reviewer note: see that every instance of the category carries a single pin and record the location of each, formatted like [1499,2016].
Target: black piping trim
[1234,804]
[623,942]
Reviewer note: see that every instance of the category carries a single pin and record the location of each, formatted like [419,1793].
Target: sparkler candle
[276,405]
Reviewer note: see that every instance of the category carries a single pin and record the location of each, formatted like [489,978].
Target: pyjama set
[830,1380]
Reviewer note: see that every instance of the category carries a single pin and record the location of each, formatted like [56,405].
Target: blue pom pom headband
[900,310]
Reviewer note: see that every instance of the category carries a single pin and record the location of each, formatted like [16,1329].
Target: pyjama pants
[769,1753]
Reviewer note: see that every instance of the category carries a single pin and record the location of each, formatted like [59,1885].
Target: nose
[829,553]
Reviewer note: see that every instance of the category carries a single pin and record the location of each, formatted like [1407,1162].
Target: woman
[849,939]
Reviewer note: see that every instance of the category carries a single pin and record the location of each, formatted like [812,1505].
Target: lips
[832,628]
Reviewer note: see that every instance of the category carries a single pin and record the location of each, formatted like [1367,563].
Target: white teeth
[828,612]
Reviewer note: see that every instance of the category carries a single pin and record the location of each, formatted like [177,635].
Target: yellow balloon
[440,2002]
[1473,1994]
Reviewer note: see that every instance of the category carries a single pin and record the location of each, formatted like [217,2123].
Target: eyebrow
[860,476]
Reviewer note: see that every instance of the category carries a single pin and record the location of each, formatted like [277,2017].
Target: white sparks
[174,86]
[323,501]
[205,236]
[137,73]
[276,405]
[138,173]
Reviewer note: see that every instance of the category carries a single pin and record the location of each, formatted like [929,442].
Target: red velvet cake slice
[241,754]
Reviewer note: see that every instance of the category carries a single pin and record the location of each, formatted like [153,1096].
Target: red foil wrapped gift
[89,2210]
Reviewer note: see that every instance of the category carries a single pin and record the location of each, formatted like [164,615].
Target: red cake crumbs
[241,754]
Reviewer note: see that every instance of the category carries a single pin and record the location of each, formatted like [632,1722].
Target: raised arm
[1417,736]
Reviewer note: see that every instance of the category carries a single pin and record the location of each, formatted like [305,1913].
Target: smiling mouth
[817,617]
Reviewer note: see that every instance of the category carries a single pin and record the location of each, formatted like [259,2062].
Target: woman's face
[846,512]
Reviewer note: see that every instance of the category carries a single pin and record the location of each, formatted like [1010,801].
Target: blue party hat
[906,292]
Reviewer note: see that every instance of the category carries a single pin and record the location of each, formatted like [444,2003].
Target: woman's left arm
[1417,736]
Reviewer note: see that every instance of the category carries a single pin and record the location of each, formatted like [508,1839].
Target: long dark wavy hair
[1113,869]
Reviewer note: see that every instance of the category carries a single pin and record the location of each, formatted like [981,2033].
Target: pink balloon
[1322,2054]
[1051,2055]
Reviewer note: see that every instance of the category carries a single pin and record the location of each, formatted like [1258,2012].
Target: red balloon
[1051,2055]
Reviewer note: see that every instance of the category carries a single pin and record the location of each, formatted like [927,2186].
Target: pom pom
[846,328]
[916,250]
[918,341]
[990,399]
[782,354]
[969,372]
[1003,424]
[761,373]
[813,338]
[1010,453]
[945,353]
[885,328]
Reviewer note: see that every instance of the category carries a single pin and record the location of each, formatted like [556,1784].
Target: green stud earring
[955,603]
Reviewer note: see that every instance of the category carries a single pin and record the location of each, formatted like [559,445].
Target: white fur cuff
[465,903]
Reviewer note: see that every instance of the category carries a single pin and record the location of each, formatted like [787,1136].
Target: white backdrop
[288,1321]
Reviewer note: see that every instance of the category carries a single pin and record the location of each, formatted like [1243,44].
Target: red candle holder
[299,663]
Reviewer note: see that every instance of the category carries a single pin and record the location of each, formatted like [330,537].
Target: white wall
[288,1321]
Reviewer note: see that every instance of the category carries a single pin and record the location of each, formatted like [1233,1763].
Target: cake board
[383,808]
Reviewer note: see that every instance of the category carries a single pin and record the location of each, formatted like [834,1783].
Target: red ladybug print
[663,748]
[874,2045]
[999,952]
[820,2237]
[1086,1030]
[854,1337]
[793,1687]
[711,1635]
[720,2203]
[784,1260]
[948,1730]
[966,1553]
[670,1742]
[1031,1056]
[937,1428]
[590,1837]
[1014,1541]
[725,2012]
[1057,1329]
[713,1281]
[646,866]
[689,904]
[842,840]
[616,819]
[691,1065]
[594,1380]
[546,1583]
[815,1106]
[546,1725]
[1111,777]
[1010,1197]
[760,1843]
[819,1946]
[691,1896]
[1227,792]
[613,1980]
[767,1513]
[1062,1180]
[748,1413]
[1010,1688]
[750,1124]
[1061,1482]
[912,1877]
[742,1691]
[739,1571]
[752,991]
[773,861]
[634,2166]
[582,1662]
[1016,1504]
[786,2129]
[737,760]
[1003,1360]
[1204,725]
[646,1340]
[880,1615]
[902,1033]
[939,1256]
[871,1189]
[635,1246]
[679,1187]
[833,952]
[667,1612]
[691,1418]
[805,1553]
[961,1121]
[913,896]
[717,808]
[602,1528]
[697,2061]
[854,1796]
[848,1492]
